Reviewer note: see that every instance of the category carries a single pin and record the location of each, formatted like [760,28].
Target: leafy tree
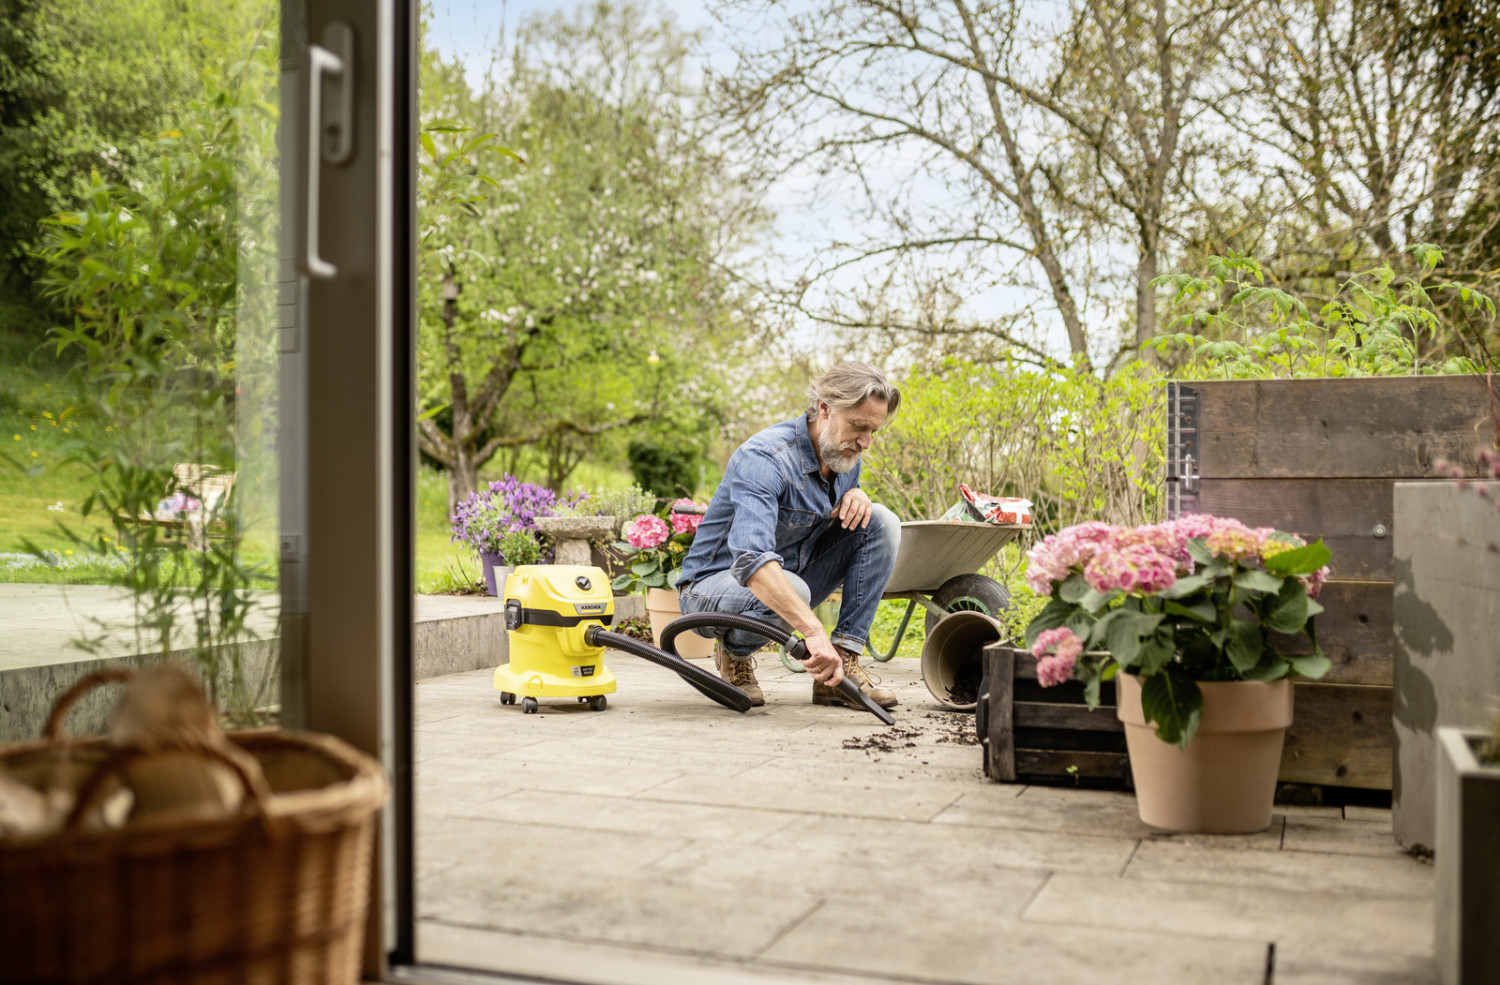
[163,276]
[91,87]
[583,292]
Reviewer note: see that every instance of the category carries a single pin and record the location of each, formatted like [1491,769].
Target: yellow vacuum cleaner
[548,608]
[556,616]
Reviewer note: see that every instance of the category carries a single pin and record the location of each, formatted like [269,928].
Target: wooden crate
[1321,458]
[1032,734]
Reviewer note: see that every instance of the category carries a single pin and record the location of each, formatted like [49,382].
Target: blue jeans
[858,561]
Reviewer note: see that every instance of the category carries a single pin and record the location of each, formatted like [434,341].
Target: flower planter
[1224,782]
[662,606]
[1446,672]
[1467,861]
[495,572]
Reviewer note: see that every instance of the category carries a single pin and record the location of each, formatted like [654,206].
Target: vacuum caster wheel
[506,698]
[529,705]
[598,702]
[583,700]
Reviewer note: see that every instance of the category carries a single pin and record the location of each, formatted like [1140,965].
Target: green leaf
[1173,701]
[1073,588]
[1243,646]
[1200,611]
[674,578]
[1186,586]
[643,568]
[655,580]
[1093,601]
[1199,552]
[1300,560]
[1311,665]
[1126,633]
[1156,653]
[1255,580]
[1057,613]
[1290,614]
[621,583]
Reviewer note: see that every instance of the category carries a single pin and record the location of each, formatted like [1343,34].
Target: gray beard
[837,460]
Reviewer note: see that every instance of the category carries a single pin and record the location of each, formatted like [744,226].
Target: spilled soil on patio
[930,729]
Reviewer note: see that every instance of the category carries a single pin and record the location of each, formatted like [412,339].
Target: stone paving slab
[972,946]
[1179,861]
[1309,919]
[667,836]
[1311,964]
[637,815]
[1340,837]
[599,963]
[584,904]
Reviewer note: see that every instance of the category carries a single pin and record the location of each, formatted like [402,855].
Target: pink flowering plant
[1200,598]
[654,547]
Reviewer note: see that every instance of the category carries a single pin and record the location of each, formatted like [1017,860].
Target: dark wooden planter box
[1321,458]
[1032,734]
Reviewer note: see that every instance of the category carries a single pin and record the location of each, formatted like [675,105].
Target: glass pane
[139,309]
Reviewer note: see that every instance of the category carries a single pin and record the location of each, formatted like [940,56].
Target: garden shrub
[1077,447]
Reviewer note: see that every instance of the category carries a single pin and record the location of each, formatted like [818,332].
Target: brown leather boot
[739,672]
[825,695]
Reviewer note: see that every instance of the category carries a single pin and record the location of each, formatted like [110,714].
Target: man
[789,524]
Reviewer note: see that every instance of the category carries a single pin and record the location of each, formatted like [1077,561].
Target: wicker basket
[276,893]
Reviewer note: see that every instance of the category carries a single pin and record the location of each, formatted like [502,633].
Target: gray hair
[850,384]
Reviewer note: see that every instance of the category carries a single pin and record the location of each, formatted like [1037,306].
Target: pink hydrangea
[1138,568]
[1314,582]
[1057,652]
[1193,525]
[1234,540]
[686,523]
[646,531]
[1051,560]
[1164,538]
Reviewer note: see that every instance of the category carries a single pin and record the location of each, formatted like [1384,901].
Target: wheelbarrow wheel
[969,593]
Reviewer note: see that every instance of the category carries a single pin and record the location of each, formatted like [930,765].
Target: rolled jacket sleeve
[754,492]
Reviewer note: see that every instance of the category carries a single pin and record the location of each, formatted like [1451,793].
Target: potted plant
[1467,854]
[484,518]
[652,554]
[517,547]
[1189,617]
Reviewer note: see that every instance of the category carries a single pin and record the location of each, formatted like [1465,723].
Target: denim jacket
[771,506]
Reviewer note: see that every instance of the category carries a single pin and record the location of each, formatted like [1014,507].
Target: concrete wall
[453,634]
[1446,619]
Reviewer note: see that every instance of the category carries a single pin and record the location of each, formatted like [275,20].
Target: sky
[471,29]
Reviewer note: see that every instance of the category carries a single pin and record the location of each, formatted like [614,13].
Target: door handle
[330,130]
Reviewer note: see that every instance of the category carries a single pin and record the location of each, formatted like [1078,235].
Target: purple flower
[508,504]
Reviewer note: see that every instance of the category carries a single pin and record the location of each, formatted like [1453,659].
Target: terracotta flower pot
[1224,782]
[662,606]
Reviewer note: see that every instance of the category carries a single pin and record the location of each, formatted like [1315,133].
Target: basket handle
[254,785]
[53,730]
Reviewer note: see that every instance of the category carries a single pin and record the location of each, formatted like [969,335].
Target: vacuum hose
[796,647]
[712,685]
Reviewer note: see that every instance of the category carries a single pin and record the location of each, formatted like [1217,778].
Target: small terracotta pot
[1224,782]
[662,606]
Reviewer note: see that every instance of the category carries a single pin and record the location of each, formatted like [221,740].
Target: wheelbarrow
[936,568]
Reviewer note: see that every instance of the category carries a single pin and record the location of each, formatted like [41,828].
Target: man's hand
[824,662]
[854,509]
